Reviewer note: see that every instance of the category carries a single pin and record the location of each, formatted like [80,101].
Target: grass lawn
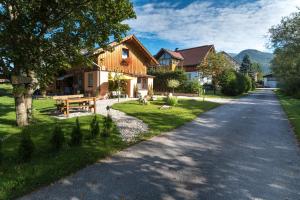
[210,94]
[17,179]
[165,120]
[292,108]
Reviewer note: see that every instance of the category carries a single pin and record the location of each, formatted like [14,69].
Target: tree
[173,83]
[39,38]
[285,39]
[246,65]
[214,66]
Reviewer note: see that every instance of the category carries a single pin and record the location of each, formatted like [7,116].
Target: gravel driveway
[241,150]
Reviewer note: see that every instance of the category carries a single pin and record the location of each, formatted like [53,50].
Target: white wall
[133,83]
[271,84]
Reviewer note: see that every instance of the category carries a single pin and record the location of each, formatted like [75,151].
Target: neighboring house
[236,65]
[270,81]
[128,59]
[187,59]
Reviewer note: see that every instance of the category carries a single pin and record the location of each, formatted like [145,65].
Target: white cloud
[232,28]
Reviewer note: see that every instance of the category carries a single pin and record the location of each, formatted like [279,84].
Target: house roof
[194,56]
[191,56]
[173,54]
[130,38]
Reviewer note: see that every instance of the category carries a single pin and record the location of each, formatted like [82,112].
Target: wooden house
[127,60]
[187,59]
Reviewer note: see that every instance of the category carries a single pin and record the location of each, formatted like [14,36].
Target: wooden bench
[83,103]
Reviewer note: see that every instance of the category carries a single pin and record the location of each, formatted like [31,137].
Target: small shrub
[26,147]
[108,125]
[172,101]
[173,83]
[58,139]
[76,135]
[95,129]
[192,86]
[253,86]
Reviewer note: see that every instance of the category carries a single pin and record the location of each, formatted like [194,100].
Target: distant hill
[257,56]
[233,54]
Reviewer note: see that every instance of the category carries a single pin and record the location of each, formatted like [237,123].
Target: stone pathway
[129,126]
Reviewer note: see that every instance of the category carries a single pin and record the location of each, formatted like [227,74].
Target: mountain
[233,54]
[262,58]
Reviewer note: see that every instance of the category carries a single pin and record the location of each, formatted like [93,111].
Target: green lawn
[165,120]
[17,179]
[210,94]
[292,108]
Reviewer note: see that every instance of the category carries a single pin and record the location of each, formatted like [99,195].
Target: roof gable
[131,38]
[173,54]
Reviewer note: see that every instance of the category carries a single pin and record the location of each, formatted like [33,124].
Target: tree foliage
[285,38]
[39,38]
[160,82]
[214,66]
[234,83]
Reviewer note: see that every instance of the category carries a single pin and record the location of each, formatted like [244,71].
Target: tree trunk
[21,110]
[28,101]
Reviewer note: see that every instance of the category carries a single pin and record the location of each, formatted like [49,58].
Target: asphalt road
[242,150]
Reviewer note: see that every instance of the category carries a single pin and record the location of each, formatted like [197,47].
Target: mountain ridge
[263,58]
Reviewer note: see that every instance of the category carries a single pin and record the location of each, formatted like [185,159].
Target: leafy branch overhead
[46,36]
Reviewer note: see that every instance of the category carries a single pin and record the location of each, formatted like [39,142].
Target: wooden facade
[137,62]
[128,57]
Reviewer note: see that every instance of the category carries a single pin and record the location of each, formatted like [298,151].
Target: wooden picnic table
[83,103]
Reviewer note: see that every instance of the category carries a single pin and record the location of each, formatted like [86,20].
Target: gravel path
[128,126]
[245,149]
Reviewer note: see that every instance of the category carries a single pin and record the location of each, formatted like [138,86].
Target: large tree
[285,39]
[40,37]
[214,66]
[246,65]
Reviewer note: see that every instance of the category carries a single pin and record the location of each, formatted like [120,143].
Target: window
[90,80]
[125,53]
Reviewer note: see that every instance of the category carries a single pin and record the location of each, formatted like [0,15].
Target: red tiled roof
[174,54]
[191,57]
[194,56]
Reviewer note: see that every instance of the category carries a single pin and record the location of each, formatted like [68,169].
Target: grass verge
[291,107]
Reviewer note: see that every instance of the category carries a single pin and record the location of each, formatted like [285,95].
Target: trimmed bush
[26,147]
[192,86]
[108,125]
[58,139]
[172,101]
[233,83]
[229,83]
[76,135]
[95,129]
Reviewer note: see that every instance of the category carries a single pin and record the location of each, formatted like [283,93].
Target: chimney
[176,49]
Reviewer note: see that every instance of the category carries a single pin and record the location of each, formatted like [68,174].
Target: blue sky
[231,25]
